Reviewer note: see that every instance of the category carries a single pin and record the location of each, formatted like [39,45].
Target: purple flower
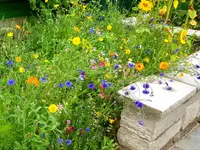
[91,30]
[60,85]
[43,79]
[126,93]
[198,77]
[197,66]
[147,51]
[146,86]
[145,91]
[139,104]
[169,88]
[91,86]
[176,50]
[10,63]
[11,82]
[141,122]
[68,142]
[69,84]
[162,74]
[59,141]
[87,130]
[106,84]
[131,65]
[132,88]
[115,56]
[116,66]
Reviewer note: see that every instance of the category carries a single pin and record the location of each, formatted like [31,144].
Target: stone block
[192,110]
[132,141]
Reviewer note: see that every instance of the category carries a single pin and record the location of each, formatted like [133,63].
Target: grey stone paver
[190,142]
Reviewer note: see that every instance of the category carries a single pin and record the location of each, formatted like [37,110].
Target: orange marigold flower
[139,66]
[164,65]
[33,80]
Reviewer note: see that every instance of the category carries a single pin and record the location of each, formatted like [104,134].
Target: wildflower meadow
[60,71]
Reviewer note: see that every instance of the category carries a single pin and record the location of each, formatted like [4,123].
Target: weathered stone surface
[153,126]
[192,109]
[132,141]
[163,101]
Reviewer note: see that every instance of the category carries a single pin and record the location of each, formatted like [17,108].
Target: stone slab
[133,141]
[191,141]
[163,100]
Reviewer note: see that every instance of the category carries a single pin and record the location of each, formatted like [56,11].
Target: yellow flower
[175,4]
[145,5]
[76,29]
[102,59]
[109,27]
[18,26]
[21,69]
[100,39]
[46,1]
[183,36]
[107,76]
[107,64]
[181,74]
[164,65]
[52,108]
[130,59]
[128,51]
[188,64]
[10,34]
[46,61]
[56,5]
[84,8]
[146,60]
[121,47]
[76,41]
[193,22]
[163,11]
[18,59]
[89,18]
[35,56]
[139,66]
[111,121]
[166,40]
[98,114]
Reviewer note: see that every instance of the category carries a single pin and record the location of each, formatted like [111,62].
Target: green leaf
[192,14]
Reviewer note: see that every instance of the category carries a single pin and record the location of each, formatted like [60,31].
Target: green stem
[168,9]
[187,17]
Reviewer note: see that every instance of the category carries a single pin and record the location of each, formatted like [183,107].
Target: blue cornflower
[106,84]
[147,51]
[126,93]
[197,66]
[115,56]
[176,50]
[10,63]
[87,130]
[139,104]
[198,77]
[11,82]
[116,66]
[145,92]
[132,88]
[43,135]
[68,142]
[141,122]
[59,141]
[91,30]
[146,86]
[131,65]
[60,85]
[169,88]
[69,84]
[91,86]
[43,79]
[162,74]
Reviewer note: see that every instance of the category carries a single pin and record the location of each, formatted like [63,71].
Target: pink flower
[94,67]
[60,106]
[68,122]
[101,64]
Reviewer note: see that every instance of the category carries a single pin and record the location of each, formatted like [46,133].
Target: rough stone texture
[153,126]
[192,109]
[133,141]
[191,141]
